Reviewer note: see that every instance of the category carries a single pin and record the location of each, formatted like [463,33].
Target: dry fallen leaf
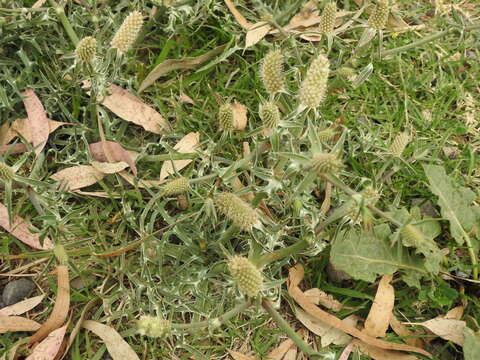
[448,329]
[37,120]
[49,347]
[236,14]
[17,323]
[318,296]
[60,308]
[296,274]
[291,354]
[132,109]
[280,351]
[189,143]
[116,346]
[239,116]
[401,330]
[239,356]
[256,32]
[381,354]
[346,352]
[109,168]
[116,150]
[456,313]
[13,149]
[187,99]
[4,132]
[22,306]
[79,176]
[22,127]
[380,313]
[21,230]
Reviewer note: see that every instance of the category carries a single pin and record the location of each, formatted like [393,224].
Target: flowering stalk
[66,24]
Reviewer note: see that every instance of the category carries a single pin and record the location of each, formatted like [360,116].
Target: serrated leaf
[365,255]
[454,200]
[471,345]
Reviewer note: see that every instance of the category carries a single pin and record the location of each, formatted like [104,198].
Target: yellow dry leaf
[22,306]
[380,313]
[109,168]
[318,296]
[448,329]
[48,348]
[455,313]
[256,32]
[17,323]
[189,143]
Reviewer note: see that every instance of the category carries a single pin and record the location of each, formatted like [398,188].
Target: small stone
[17,290]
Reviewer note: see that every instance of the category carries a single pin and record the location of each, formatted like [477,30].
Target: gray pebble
[17,290]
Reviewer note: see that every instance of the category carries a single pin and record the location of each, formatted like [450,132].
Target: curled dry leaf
[49,347]
[60,309]
[448,329]
[109,168]
[189,143]
[256,32]
[239,116]
[296,274]
[116,151]
[116,346]
[17,323]
[131,108]
[21,230]
[318,296]
[22,306]
[381,354]
[401,330]
[237,15]
[77,177]
[37,120]
[380,313]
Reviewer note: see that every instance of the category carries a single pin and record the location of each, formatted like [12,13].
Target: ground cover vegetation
[239,179]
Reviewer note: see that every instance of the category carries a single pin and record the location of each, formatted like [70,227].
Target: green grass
[181,274]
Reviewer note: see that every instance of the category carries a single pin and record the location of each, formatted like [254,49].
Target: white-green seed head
[226,119]
[270,115]
[399,144]
[326,163]
[86,49]
[327,21]
[128,32]
[247,276]
[176,187]
[236,210]
[272,72]
[6,172]
[379,17]
[153,326]
[314,86]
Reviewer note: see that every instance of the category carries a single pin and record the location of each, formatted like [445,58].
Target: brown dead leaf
[456,313]
[346,352]
[22,306]
[236,14]
[176,64]
[187,99]
[60,309]
[280,351]
[109,168]
[17,323]
[296,274]
[239,356]
[4,131]
[291,354]
[21,230]
[116,150]
[239,116]
[380,313]
[37,120]
[318,296]
[401,330]
[256,32]
[21,126]
[49,347]
[448,329]
[116,346]
[79,176]
[189,143]
[13,149]
[381,354]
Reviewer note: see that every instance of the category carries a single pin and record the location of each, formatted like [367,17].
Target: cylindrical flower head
[128,32]
[412,236]
[323,163]
[86,49]
[378,18]
[6,172]
[175,187]
[314,86]
[272,72]
[270,115]
[236,210]
[399,144]
[153,326]
[226,120]
[246,275]
[327,22]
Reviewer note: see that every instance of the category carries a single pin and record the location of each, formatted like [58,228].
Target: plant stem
[215,321]
[282,324]
[66,24]
[281,253]
[166,157]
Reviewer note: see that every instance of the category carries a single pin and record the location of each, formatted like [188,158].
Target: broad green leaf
[365,255]
[471,346]
[455,202]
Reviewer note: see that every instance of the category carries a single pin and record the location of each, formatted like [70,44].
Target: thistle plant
[154,326]
[6,172]
[314,86]
[237,210]
[378,18]
[128,32]
[326,163]
[270,115]
[175,187]
[327,21]
[86,49]
[246,275]
[226,120]
[399,144]
[327,134]
[272,72]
